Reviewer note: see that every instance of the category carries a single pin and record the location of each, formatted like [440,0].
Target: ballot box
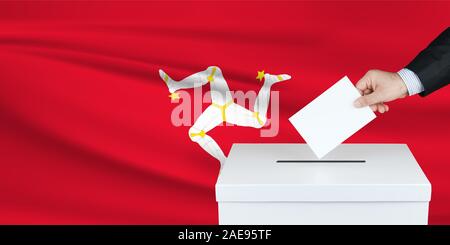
[353,184]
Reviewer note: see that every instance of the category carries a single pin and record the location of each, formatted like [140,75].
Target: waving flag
[86,135]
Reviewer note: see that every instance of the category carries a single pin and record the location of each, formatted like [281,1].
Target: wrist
[402,87]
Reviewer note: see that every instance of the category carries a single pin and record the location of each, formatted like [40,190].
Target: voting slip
[331,118]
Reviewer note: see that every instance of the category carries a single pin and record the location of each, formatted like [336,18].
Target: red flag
[85,119]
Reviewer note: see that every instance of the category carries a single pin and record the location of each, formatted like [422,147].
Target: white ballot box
[354,184]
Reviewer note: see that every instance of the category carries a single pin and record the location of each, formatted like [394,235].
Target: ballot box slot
[321,161]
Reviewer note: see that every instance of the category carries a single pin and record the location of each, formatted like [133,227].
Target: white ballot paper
[331,118]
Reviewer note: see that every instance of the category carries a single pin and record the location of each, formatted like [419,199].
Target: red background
[85,123]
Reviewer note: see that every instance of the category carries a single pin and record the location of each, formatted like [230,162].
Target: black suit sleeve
[432,65]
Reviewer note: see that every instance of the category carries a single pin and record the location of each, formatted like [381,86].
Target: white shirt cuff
[411,80]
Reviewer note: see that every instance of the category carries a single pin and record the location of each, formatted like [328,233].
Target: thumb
[367,100]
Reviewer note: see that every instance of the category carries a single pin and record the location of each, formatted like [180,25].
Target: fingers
[364,83]
[375,89]
[369,97]
[368,100]
[380,107]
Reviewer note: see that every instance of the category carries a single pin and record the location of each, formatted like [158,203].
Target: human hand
[378,87]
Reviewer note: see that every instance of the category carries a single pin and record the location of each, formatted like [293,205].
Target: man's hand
[377,87]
